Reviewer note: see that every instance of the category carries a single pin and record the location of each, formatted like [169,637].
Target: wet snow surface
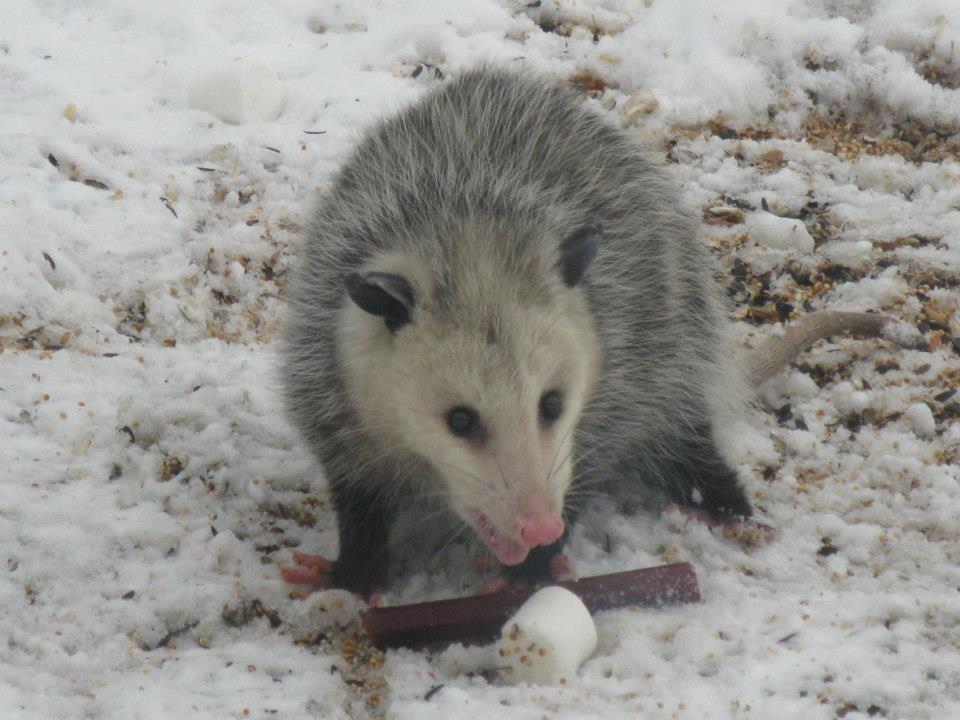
[150,486]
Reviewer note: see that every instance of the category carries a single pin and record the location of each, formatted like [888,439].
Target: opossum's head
[479,363]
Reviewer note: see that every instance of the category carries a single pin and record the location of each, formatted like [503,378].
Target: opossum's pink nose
[541,529]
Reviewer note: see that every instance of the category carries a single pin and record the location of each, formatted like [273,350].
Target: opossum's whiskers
[376,457]
[583,492]
[556,452]
[503,477]
[564,460]
[472,476]
[363,430]
[454,536]
[359,474]
[423,496]
[424,519]
[590,452]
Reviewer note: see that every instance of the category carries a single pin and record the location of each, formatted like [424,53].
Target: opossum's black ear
[382,294]
[579,250]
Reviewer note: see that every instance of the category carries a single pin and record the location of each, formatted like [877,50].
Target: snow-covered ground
[150,485]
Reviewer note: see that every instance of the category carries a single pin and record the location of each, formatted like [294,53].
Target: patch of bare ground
[913,140]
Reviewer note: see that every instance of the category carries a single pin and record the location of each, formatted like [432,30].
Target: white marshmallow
[547,639]
[777,232]
[238,92]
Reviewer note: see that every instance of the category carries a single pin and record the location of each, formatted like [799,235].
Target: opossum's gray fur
[536,157]
[501,149]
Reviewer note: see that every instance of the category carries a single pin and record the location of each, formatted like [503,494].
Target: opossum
[503,303]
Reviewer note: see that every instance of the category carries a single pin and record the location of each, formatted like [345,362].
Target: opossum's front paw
[745,530]
[318,573]
[697,515]
[314,571]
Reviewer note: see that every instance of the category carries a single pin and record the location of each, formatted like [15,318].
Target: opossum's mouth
[507,549]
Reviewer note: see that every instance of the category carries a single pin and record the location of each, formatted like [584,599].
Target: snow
[150,485]
[777,232]
[921,419]
[238,92]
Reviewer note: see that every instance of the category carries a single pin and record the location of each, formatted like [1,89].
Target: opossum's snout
[536,528]
[541,529]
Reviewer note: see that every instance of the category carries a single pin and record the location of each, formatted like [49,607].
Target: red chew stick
[480,617]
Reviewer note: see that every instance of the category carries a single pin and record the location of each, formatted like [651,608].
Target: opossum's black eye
[551,407]
[463,421]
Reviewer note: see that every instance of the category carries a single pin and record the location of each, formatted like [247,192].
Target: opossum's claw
[317,562]
[313,570]
[303,576]
[695,515]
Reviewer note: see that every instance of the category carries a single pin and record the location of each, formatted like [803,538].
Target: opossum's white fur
[497,352]
[468,193]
